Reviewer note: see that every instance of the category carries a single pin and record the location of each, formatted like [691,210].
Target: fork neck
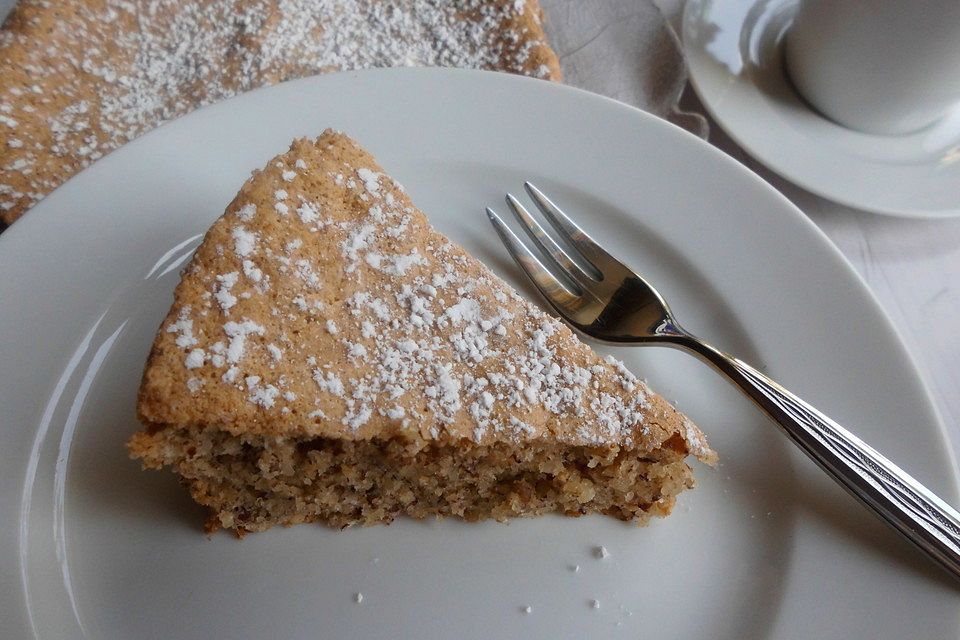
[719,360]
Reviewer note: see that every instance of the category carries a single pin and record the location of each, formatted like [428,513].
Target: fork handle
[888,490]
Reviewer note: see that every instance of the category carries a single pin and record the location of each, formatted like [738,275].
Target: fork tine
[547,244]
[550,286]
[589,250]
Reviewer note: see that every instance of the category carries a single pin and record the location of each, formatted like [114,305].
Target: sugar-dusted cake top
[79,78]
[323,303]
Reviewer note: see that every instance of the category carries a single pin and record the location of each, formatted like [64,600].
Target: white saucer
[734,53]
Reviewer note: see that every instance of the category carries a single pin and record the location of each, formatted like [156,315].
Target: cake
[79,78]
[329,357]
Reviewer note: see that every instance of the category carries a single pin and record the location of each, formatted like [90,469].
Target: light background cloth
[620,48]
[623,49]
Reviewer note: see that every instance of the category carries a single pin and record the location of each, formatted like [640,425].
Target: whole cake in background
[329,357]
[79,78]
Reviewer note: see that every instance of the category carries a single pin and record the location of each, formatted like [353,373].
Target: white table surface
[913,266]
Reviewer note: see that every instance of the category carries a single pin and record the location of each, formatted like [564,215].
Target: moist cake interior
[253,483]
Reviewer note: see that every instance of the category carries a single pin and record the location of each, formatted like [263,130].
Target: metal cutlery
[603,298]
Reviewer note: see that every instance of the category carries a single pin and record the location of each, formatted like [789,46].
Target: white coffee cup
[880,66]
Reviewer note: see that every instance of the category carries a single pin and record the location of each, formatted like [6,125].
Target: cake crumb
[595,604]
[528,609]
[358,597]
[601,552]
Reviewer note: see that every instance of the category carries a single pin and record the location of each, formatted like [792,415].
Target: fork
[603,298]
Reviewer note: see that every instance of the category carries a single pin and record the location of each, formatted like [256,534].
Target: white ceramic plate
[734,55]
[765,547]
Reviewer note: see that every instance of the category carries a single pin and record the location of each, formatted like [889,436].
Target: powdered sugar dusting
[142,64]
[251,271]
[195,359]
[183,327]
[418,336]
[244,242]
[238,332]
[371,180]
[308,214]
[329,382]
[275,352]
[246,212]
[263,396]
[223,296]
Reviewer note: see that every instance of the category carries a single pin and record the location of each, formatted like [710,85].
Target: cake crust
[323,308]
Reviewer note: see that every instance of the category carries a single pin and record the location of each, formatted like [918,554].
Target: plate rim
[33,227]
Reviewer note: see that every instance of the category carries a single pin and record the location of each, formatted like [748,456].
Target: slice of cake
[330,357]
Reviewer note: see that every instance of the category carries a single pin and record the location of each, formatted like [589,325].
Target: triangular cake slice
[330,357]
